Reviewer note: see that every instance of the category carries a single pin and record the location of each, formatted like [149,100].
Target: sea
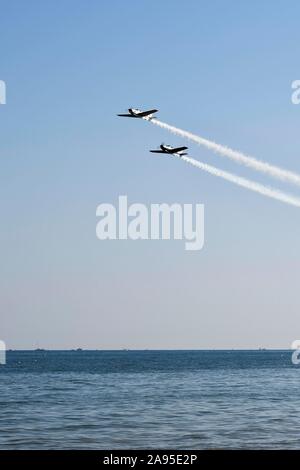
[149,400]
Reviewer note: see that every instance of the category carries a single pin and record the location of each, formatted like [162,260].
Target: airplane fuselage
[134,112]
[137,113]
[168,149]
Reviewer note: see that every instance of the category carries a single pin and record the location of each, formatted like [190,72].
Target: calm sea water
[149,399]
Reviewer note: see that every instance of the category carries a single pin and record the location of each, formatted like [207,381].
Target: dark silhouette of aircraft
[163,148]
[137,113]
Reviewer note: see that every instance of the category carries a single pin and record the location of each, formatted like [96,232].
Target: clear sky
[220,69]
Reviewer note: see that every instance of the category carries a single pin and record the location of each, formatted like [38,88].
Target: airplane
[163,148]
[137,113]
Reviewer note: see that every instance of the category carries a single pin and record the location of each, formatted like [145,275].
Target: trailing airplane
[163,148]
[137,113]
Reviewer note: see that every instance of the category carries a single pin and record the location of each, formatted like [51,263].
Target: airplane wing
[125,115]
[178,149]
[146,113]
[157,151]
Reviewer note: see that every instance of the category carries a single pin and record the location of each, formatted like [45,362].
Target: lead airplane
[163,148]
[137,113]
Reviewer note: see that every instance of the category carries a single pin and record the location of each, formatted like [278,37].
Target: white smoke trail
[271,170]
[245,183]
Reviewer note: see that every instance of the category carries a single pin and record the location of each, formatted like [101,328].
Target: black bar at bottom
[136,458]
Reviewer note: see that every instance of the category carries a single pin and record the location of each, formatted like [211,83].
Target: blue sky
[220,69]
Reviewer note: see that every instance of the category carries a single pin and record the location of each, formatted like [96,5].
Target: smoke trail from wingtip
[251,162]
[245,183]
